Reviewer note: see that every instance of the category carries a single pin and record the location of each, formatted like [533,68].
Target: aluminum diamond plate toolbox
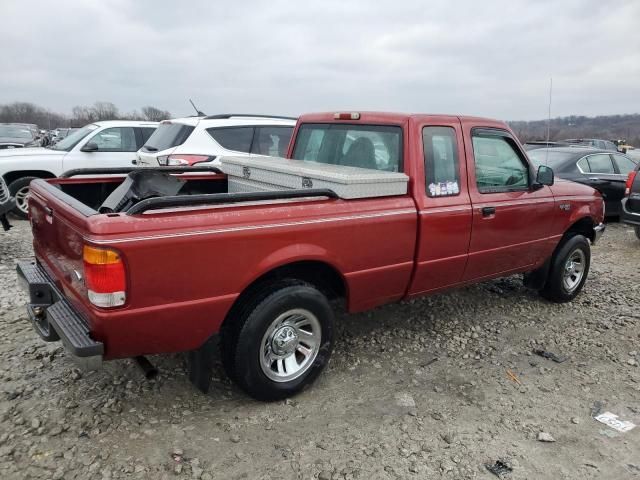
[272,173]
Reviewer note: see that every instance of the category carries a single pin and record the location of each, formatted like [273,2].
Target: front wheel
[569,270]
[281,343]
[19,189]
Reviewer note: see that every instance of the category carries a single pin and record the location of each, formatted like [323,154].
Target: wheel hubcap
[22,197]
[290,345]
[574,270]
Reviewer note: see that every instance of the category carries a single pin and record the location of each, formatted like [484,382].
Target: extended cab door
[511,218]
[106,147]
[444,205]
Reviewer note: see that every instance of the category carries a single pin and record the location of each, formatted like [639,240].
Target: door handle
[488,211]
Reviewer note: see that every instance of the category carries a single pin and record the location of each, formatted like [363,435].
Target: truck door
[444,206]
[511,218]
[108,147]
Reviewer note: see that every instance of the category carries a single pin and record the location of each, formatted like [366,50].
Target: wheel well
[12,176]
[584,226]
[322,275]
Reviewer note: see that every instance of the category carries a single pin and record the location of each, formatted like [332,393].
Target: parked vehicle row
[184,141]
[603,170]
[155,262]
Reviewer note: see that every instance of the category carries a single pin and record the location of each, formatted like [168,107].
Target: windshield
[14,131]
[167,135]
[72,140]
[542,156]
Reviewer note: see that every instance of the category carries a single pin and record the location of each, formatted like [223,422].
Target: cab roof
[395,117]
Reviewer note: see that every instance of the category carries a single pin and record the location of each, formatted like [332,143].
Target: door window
[625,165]
[272,141]
[600,163]
[237,139]
[117,139]
[442,172]
[499,168]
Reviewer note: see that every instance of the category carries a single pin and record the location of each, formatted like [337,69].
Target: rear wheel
[281,341]
[569,270]
[19,189]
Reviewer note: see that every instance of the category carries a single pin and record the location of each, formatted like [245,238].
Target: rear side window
[625,165]
[499,168]
[364,146]
[272,141]
[146,133]
[600,163]
[442,171]
[167,135]
[583,165]
[233,138]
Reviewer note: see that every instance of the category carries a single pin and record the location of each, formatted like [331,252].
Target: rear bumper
[55,319]
[598,230]
[627,216]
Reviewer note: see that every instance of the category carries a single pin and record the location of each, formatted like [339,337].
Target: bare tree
[154,114]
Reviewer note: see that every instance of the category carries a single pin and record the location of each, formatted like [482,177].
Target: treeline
[25,112]
[608,127]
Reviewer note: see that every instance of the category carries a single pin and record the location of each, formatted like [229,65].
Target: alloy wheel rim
[574,270]
[290,345]
[22,199]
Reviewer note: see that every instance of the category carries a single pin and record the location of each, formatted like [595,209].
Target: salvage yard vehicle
[16,135]
[368,208]
[603,170]
[198,140]
[101,144]
[7,203]
[631,202]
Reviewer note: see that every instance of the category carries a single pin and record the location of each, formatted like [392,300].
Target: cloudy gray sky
[491,58]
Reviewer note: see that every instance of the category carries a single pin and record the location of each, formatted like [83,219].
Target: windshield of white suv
[13,131]
[167,135]
[72,140]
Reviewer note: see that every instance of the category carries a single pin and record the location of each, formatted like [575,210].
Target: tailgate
[58,222]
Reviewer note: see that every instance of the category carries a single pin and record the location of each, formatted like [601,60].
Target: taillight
[630,179]
[104,277]
[182,159]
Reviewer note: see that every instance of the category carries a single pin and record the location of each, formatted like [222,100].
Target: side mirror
[90,147]
[544,175]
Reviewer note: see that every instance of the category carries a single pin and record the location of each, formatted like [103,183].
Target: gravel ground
[416,390]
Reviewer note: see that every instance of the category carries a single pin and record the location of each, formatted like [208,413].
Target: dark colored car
[535,144]
[17,136]
[593,143]
[603,170]
[631,203]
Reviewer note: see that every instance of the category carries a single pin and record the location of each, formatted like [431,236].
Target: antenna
[200,114]
[546,157]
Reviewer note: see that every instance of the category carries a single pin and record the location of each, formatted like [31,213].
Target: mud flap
[200,365]
[537,278]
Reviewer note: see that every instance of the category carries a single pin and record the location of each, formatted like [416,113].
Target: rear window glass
[167,135]
[365,146]
[237,139]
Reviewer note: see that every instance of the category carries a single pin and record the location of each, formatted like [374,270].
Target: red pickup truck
[258,270]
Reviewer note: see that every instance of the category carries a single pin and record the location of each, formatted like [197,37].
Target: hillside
[609,127]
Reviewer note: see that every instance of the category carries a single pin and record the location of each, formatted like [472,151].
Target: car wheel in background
[19,189]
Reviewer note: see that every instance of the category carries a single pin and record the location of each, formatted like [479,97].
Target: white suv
[191,140]
[110,143]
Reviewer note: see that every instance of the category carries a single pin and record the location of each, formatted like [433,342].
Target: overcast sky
[490,58]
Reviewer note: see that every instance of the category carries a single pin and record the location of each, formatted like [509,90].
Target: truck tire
[280,341]
[569,270]
[19,189]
